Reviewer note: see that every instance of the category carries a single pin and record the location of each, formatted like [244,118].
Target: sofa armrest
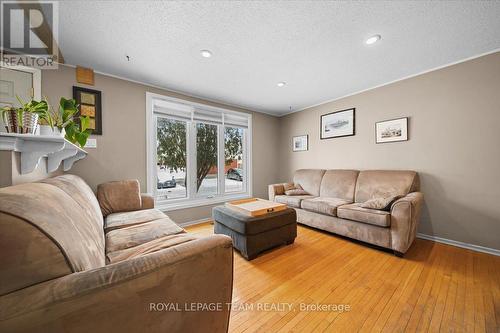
[405,216]
[147,201]
[145,294]
[275,189]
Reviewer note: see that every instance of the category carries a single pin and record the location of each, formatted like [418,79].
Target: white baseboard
[468,246]
[186,224]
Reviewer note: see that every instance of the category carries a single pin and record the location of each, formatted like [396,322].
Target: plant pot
[47,130]
[26,124]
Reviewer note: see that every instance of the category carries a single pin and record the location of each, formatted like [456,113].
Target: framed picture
[300,143]
[391,130]
[89,104]
[337,124]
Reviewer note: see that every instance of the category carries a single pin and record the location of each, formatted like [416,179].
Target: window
[197,154]
[206,159]
[233,156]
[171,158]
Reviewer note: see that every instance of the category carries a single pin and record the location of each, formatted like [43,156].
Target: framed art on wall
[300,143]
[392,130]
[337,124]
[89,104]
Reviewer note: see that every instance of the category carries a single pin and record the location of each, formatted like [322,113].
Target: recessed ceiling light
[206,53]
[281,84]
[373,39]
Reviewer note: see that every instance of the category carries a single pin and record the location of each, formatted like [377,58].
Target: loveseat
[71,262]
[333,200]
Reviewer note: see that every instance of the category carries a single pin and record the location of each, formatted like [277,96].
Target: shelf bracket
[54,159]
[33,147]
[33,151]
[68,163]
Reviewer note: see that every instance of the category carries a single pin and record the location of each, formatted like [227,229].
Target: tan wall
[5,168]
[454,144]
[121,150]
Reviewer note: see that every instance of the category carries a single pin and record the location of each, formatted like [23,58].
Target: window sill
[183,204]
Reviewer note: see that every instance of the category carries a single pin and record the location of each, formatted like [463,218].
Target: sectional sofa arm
[185,288]
[276,189]
[405,217]
[147,201]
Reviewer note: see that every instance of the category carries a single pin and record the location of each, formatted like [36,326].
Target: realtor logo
[29,33]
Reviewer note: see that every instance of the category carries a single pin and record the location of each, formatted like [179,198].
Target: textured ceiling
[316,47]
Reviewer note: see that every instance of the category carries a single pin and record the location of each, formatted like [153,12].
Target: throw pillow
[380,203]
[296,191]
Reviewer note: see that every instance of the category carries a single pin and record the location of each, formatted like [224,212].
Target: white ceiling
[316,47]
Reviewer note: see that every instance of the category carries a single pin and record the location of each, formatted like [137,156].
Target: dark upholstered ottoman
[252,235]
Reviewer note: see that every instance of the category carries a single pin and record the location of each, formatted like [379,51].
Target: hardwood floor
[435,287]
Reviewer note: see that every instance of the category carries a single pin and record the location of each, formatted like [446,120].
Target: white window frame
[195,199]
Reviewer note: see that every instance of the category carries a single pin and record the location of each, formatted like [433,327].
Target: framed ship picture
[337,124]
[89,104]
[391,130]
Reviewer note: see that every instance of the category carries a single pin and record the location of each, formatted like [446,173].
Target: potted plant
[64,122]
[55,120]
[24,119]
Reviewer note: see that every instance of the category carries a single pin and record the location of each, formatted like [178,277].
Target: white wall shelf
[33,147]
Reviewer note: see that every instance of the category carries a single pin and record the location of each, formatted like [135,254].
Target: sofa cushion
[78,189]
[339,184]
[353,229]
[119,196]
[380,183]
[60,217]
[322,205]
[309,180]
[148,247]
[292,200]
[355,212]
[27,256]
[135,235]
[120,220]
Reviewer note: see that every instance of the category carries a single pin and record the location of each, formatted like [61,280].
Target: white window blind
[196,113]
[207,116]
[235,120]
[178,111]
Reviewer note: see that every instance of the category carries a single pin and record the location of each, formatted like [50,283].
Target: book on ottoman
[255,206]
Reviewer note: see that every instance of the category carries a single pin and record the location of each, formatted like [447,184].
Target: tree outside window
[171,147]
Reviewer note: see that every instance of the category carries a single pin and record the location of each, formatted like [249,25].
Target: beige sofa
[335,198]
[66,268]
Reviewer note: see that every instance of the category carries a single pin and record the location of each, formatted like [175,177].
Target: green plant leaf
[71,131]
[82,138]
[67,110]
[20,100]
[84,122]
